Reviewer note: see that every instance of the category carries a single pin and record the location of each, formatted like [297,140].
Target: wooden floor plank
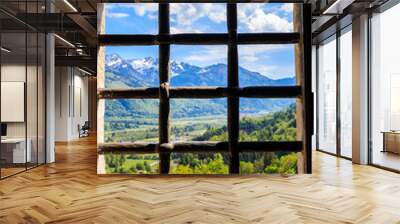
[69,191]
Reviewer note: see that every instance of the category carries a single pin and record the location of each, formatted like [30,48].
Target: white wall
[17,73]
[71,102]
[14,73]
[33,126]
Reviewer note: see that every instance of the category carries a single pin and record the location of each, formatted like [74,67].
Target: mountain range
[130,73]
[144,73]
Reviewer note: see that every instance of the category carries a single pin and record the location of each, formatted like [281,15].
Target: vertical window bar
[163,55]
[37,89]
[317,96]
[307,85]
[338,99]
[233,82]
[26,87]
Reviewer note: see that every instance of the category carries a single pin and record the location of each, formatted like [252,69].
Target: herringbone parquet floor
[69,191]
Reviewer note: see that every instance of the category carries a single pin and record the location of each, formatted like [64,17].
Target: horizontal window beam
[203,92]
[198,147]
[196,39]
[268,38]
[138,93]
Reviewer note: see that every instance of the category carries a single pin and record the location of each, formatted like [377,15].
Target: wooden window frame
[301,91]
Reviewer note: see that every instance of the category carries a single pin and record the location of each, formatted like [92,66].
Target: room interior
[22,101]
[87,135]
[385,123]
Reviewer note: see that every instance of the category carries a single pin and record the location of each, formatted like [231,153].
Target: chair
[84,130]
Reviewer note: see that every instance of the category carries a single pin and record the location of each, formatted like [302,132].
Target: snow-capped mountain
[128,73]
[144,72]
[144,64]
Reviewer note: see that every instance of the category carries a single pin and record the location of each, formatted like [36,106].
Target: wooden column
[233,82]
[92,92]
[297,27]
[304,107]
[163,56]
[307,86]
[101,169]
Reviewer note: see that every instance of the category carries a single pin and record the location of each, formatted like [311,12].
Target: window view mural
[200,65]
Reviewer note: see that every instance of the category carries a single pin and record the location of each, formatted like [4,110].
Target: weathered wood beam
[164,57]
[196,39]
[101,163]
[302,19]
[268,38]
[101,76]
[203,92]
[307,85]
[128,148]
[198,92]
[233,82]
[199,38]
[198,147]
[138,93]
[298,63]
[126,40]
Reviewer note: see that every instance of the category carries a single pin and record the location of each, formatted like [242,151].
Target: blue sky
[275,61]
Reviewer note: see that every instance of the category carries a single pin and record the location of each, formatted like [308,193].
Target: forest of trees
[277,126]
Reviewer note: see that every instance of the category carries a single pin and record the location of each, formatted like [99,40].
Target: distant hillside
[277,126]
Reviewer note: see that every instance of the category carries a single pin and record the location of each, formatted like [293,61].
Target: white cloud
[215,12]
[189,13]
[256,18]
[261,22]
[184,16]
[141,9]
[117,15]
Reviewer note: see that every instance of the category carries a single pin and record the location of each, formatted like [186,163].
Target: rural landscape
[136,120]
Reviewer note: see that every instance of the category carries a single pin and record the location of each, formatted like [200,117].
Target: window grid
[232,92]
